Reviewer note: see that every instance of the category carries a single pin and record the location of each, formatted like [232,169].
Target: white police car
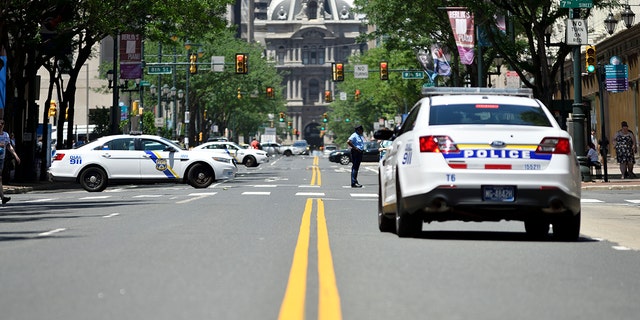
[248,157]
[478,154]
[142,158]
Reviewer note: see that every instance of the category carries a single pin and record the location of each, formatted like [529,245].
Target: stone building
[304,37]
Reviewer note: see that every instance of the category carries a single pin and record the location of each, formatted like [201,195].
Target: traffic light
[325,118]
[281,117]
[193,63]
[347,119]
[327,96]
[590,58]
[52,108]
[239,94]
[270,93]
[338,71]
[289,125]
[384,70]
[66,113]
[357,94]
[241,63]
[135,107]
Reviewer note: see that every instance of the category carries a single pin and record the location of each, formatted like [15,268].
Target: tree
[378,99]
[523,46]
[35,32]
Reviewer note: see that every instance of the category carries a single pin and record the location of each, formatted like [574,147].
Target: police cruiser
[140,158]
[479,154]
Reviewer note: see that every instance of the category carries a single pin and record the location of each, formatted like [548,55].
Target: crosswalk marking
[590,201]
[364,195]
[259,193]
[310,194]
[633,201]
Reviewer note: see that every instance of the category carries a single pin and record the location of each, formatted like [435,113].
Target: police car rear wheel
[407,225]
[93,179]
[344,160]
[200,176]
[567,228]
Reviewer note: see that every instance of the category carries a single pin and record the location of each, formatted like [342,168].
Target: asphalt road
[291,240]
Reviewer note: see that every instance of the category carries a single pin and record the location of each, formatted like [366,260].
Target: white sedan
[247,156]
[477,154]
[143,158]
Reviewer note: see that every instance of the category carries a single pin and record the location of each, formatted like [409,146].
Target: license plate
[499,193]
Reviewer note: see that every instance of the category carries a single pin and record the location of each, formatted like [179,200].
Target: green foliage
[379,99]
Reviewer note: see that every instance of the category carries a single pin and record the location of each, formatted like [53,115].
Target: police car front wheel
[200,176]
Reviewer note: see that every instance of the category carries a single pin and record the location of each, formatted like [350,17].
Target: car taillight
[442,144]
[554,145]
[58,156]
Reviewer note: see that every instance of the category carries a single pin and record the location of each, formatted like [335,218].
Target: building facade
[304,38]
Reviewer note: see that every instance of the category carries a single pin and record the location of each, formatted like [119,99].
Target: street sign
[428,85]
[144,83]
[576,32]
[616,77]
[576,4]
[159,70]
[343,96]
[412,74]
[217,63]
[159,122]
[361,71]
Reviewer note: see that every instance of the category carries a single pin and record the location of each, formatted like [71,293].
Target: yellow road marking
[292,307]
[293,304]
[316,178]
[328,297]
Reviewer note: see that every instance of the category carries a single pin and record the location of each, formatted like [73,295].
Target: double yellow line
[293,304]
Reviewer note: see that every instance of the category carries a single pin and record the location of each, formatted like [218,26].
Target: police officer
[356,142]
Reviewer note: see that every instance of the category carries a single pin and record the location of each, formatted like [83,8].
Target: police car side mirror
[383,134]
[170,149]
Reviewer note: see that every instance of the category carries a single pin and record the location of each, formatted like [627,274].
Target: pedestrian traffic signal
[357,95]
[270,93]
[338,72]
[325,118]
[281,117]
[52,108]
[590,58]
[193,63]
[384,70]
[241,63]
[327,96]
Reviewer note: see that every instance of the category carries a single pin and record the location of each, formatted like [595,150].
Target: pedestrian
[592,155]
[5,145]
[356,142]
[626,147]
[255,144]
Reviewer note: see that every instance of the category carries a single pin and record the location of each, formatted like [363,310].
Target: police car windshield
[503,114]
[177,146]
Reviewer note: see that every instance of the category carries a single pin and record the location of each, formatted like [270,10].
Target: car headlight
[223,159]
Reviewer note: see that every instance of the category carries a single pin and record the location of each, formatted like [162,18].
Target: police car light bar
[441,91]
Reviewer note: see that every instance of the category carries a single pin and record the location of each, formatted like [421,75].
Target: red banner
[463,31]
[130,56]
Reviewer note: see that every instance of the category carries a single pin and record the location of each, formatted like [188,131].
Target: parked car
[271,148]
[298,147]
[328,148]
[247,156]
[371,153]
[479,154]
[141,158]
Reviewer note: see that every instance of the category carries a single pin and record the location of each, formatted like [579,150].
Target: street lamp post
[578,108]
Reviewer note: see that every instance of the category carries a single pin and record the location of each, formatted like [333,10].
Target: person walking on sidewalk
[5,146]
[356,142]
[626,147]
